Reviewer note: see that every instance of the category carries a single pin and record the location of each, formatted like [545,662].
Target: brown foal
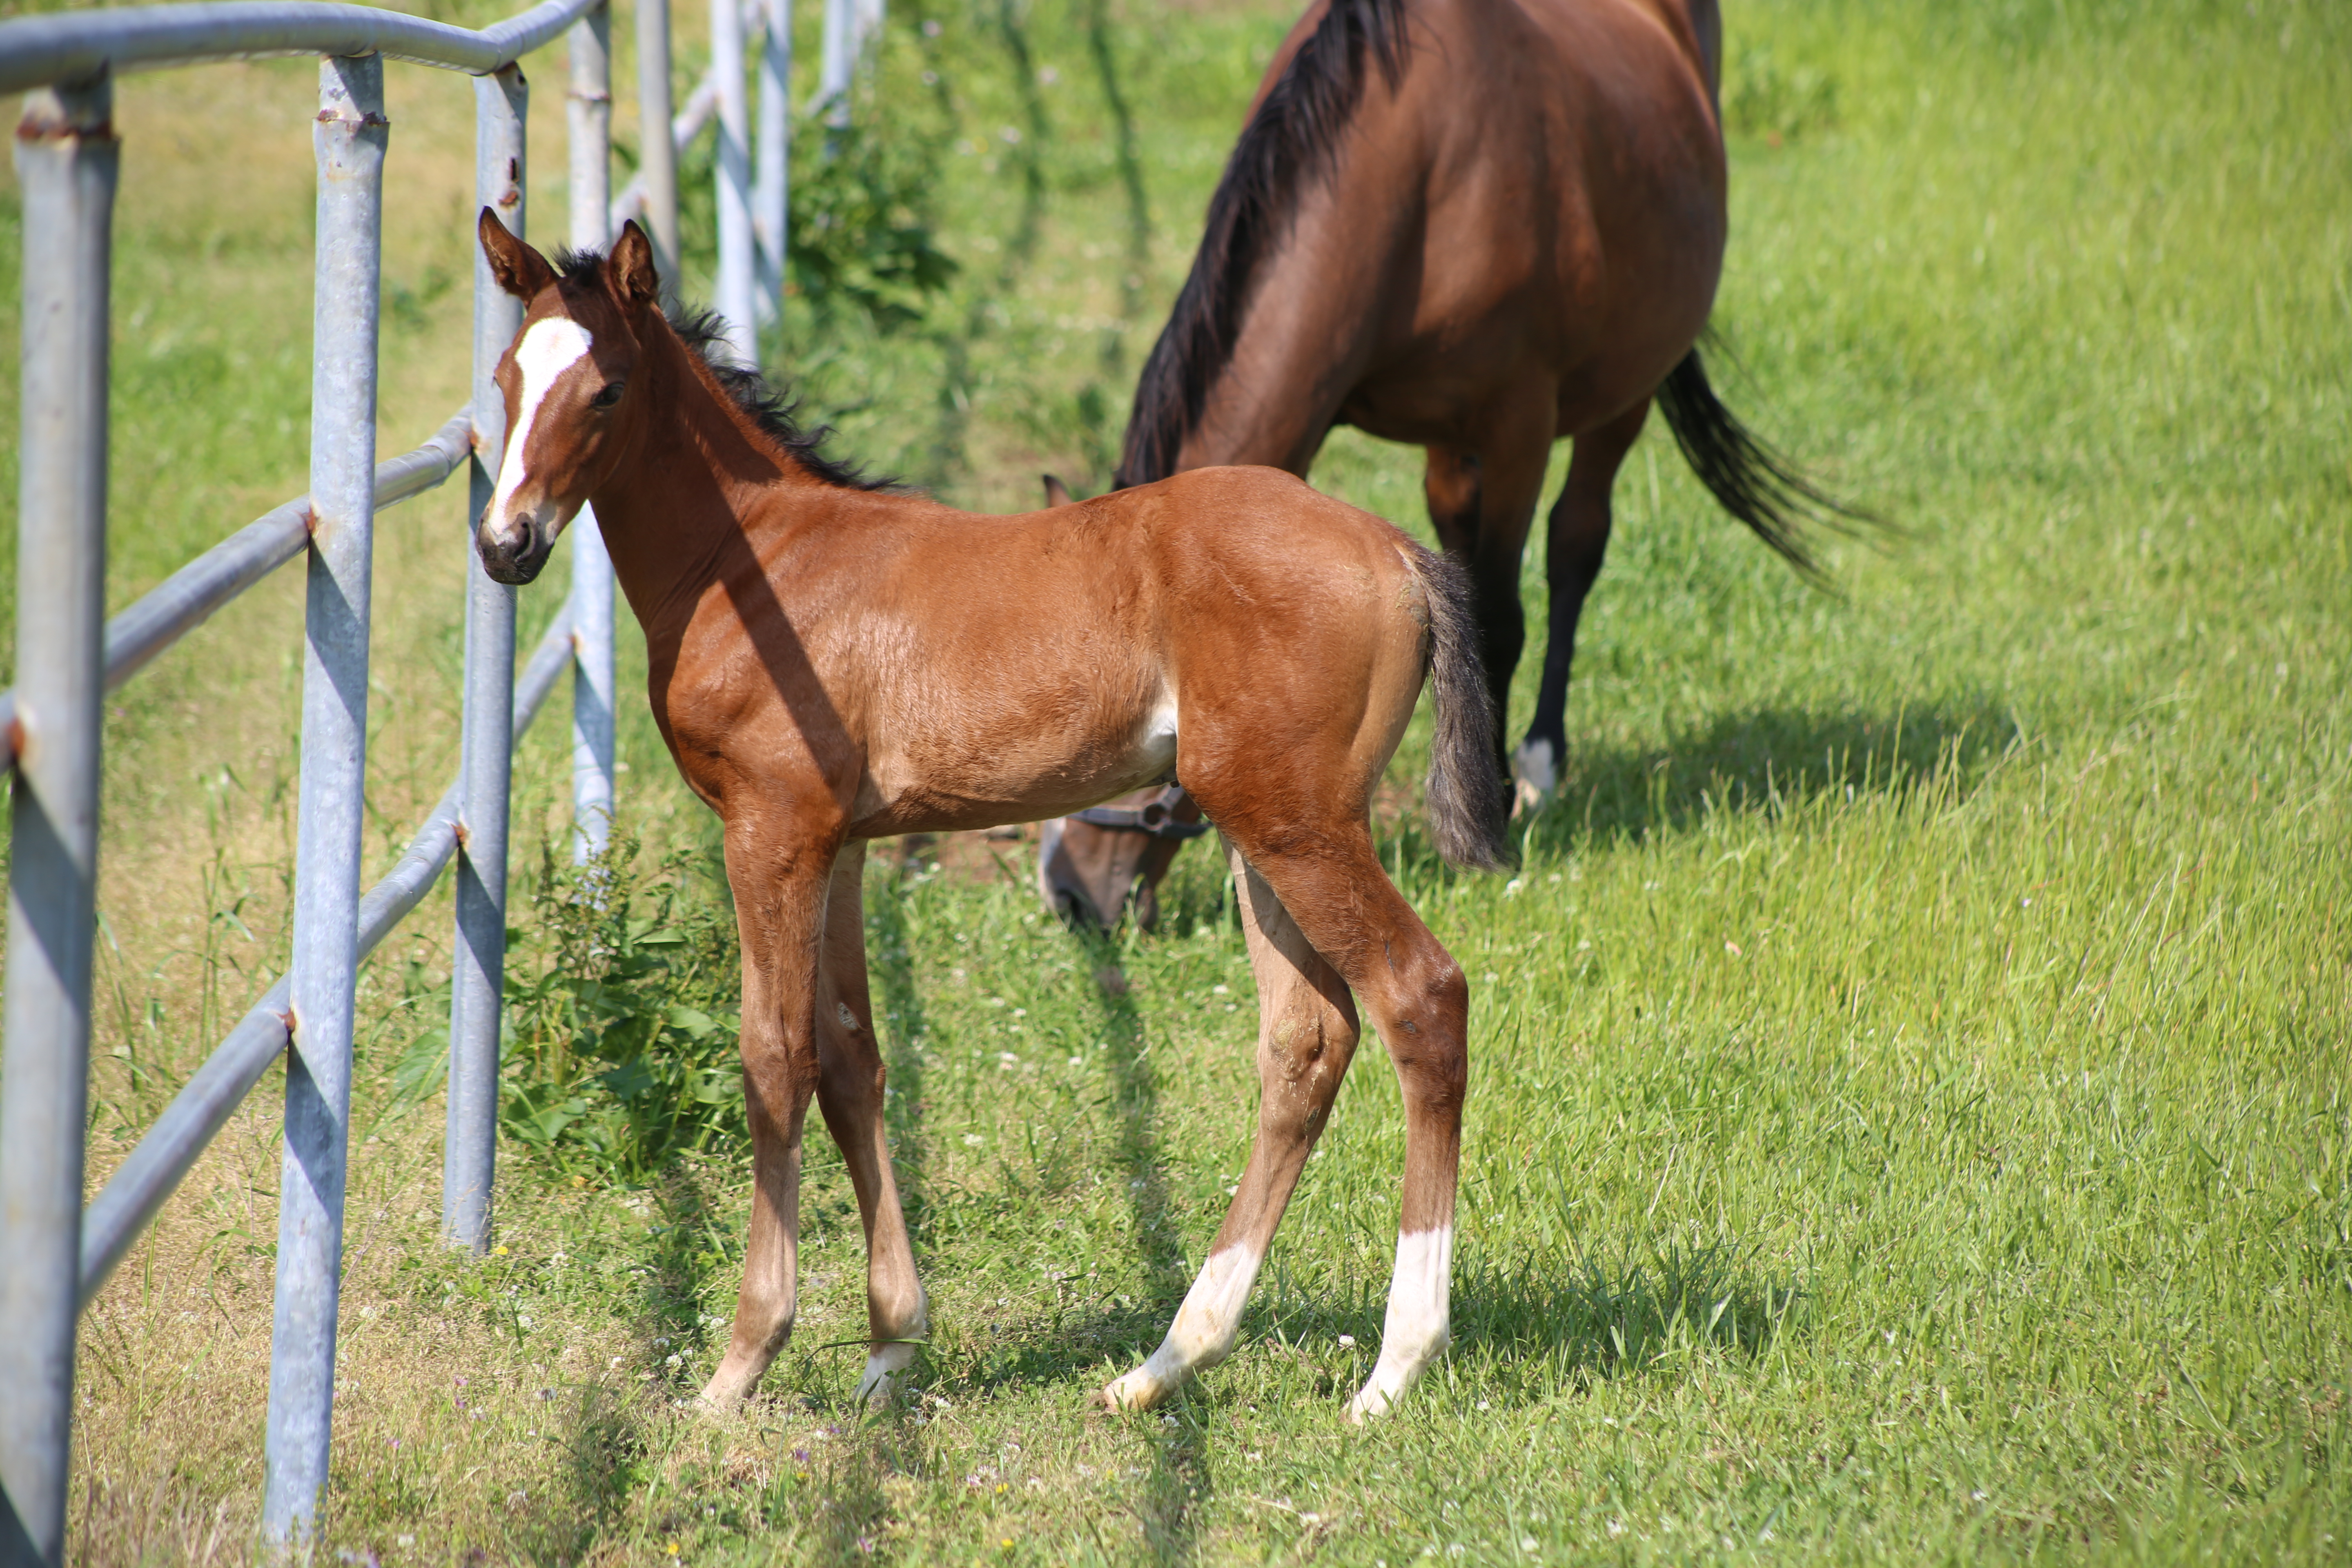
[1476,228]
[833,661]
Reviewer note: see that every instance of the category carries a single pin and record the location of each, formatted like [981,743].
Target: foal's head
[571,412]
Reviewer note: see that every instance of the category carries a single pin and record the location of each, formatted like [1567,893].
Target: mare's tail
[1466,801]
[1747,479]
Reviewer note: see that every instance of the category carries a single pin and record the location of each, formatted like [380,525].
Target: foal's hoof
[878,1388]
[1135,1391]
[702,1407]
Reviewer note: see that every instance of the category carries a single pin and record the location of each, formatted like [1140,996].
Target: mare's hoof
[1535,772]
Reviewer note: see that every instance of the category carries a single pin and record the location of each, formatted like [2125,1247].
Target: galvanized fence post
[349,136]
[772,186]
[66,158]
[869,17]
[738,294]
[837,61]
[590,125]
[479,976]
[657,155]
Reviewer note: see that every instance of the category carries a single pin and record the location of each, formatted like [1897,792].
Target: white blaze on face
[1418,1328]
[551,347]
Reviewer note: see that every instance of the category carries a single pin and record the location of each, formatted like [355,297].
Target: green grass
[1908,1117]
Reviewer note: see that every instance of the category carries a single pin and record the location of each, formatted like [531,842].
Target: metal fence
[54,1254]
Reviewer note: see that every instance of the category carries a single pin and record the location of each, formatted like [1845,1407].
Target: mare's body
[1478,226]
[833,661]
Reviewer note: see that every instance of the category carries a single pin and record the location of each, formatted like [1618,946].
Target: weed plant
[623,1001]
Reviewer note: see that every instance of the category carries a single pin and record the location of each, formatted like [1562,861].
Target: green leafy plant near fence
[862,216]
[623,997]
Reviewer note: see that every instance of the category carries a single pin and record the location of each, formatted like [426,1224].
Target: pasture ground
[1908,1116]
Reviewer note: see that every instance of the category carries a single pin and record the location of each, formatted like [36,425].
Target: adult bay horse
[833,661]
[1475,226]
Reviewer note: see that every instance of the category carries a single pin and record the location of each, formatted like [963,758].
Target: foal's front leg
[849,1092]
[780,895]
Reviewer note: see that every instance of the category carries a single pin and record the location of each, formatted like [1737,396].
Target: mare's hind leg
[1417,997]
[1306,1036]
[1578,539]
[1481,506]
[850,1080]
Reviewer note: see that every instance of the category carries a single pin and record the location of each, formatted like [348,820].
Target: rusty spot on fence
[31,130]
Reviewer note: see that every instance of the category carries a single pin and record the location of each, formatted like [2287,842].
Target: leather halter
[1156,817]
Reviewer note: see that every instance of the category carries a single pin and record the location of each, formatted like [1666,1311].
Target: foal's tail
[1466,799]
[1749,479]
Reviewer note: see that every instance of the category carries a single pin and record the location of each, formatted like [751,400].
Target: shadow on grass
[1588,1320]
[958,381]
[603,1440]
[1769,760]
[1169,1502]
[1773,760]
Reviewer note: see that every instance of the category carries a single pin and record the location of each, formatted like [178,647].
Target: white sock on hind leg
[1202,1335]
[1417,1331]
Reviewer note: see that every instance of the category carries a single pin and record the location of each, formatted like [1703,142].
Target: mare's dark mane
[705,333]
[1293,138]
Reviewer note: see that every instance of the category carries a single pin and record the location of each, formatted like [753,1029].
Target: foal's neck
[684,507]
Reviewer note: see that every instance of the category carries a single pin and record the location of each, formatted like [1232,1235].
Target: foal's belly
[939,781]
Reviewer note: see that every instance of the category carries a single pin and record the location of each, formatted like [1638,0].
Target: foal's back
[999,669]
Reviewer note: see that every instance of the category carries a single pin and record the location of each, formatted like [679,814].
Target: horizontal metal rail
[79,46]
[155,1168]
[187,598]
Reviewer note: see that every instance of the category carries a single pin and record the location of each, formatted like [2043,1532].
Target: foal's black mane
[705,333]
[1292,138]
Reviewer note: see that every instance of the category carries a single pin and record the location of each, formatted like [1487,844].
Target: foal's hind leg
[850,1078]
[1418,999]
[1578,539]
[1306,1036]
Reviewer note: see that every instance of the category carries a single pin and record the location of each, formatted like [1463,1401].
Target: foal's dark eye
[609,396]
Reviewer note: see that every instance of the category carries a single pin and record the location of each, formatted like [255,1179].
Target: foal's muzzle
[516,560]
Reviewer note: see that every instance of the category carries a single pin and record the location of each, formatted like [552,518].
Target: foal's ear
[633,266]
[520,271]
